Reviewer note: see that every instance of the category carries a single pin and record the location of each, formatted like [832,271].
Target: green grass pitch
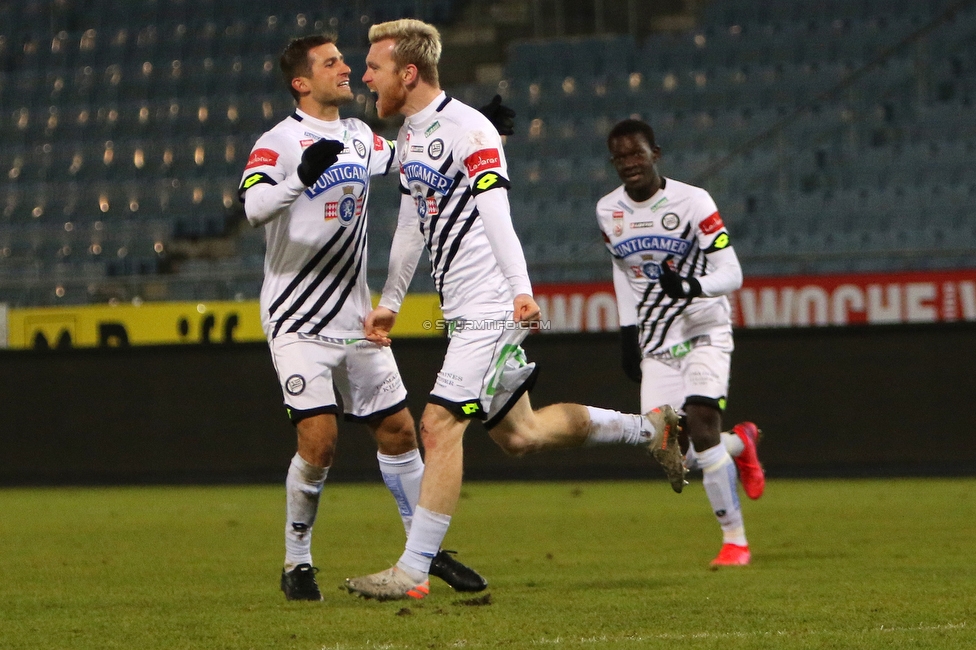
[836,564]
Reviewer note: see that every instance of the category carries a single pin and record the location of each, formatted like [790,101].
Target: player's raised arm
[270,186]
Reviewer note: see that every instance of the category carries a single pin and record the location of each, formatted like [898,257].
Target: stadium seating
[822,130]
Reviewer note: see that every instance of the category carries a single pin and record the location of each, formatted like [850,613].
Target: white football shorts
[485,370]
[696,372]
[311,368]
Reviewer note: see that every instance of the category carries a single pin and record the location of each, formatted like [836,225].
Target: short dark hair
[632,127]
[294,59]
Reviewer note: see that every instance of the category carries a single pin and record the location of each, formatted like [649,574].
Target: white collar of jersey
[319,125]
[427,112]
[654,198]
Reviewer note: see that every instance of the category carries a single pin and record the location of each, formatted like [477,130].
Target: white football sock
[402,475]
[719,482]
[609,427]
[424,541]
[732,443]
[303,486]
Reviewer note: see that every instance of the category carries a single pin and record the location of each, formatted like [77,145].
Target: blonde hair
[416,42]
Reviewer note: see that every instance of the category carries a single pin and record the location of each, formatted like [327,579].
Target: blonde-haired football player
[454,185]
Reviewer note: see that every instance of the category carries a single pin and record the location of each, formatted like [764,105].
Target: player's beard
[390,102]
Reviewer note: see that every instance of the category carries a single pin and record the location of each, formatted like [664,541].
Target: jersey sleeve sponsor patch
[253,179]
[261,157]
[712,224]
[488,181]
[482,160]
[721,242]
[378,142]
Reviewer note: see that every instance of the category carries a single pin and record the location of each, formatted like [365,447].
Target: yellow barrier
[161,323]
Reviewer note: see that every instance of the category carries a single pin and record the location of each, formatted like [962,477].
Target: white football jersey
[679,223]
[315,265]
[448,153]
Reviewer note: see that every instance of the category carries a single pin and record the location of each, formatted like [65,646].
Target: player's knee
[396,434]
[514,443]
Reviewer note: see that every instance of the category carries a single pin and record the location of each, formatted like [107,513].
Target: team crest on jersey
[345,209]
[670,221]
[618,223]
[436,149]
[651,270]
[359,147]
[426,207]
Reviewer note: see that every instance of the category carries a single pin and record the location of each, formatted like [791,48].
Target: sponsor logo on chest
[340,174]
[652,244]
[418,172]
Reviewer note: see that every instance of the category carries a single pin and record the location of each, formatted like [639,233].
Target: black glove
[676,286]
[630,352]
[502,117]
[317,158]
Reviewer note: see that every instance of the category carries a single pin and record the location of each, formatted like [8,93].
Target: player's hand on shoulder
[318,157]
[675,286]
[379,323]
[502,117]
[526,309]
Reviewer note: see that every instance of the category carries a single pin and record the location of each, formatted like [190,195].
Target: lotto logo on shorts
[482,160]
[262,157]
[470,408]
[712,224]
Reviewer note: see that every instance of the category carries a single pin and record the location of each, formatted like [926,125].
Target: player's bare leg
[524,431]
[303,486]
[558,426]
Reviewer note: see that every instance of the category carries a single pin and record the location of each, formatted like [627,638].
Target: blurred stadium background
[836,136]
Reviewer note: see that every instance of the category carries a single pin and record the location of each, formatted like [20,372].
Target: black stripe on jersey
[393,155]
[443,202]
[685,267]
[445,233]
[354,237]
[296,116]
[312,263]
[357,256]
[443,104]
[682,304]
[455,247]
